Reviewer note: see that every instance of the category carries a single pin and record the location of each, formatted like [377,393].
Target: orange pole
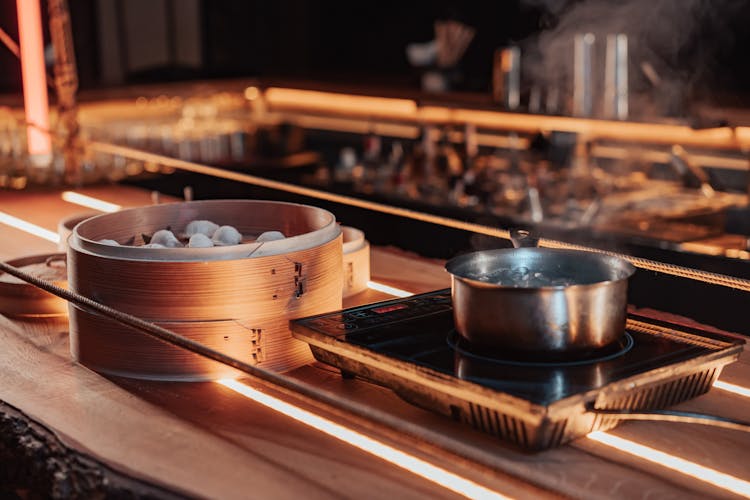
[34,79]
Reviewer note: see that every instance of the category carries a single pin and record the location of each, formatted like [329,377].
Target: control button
[358,314]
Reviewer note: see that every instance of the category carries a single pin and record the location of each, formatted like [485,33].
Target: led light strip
[28,227]
[34,76]
[711,476]
[90,202]
[380,287]
[735,389]
[415,465]
[282,99]
[342,103]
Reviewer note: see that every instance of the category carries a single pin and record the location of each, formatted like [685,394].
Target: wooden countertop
[93,433]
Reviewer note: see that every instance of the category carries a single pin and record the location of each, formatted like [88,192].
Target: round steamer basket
[23,300]
[356,261]
[237,299]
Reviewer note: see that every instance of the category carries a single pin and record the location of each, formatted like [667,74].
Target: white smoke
[659,34]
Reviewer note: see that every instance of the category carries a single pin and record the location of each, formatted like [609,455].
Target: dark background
[363,42]
[354,40]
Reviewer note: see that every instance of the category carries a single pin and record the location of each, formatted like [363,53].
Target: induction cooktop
[411,346]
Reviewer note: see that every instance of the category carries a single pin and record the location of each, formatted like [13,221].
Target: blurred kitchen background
[696,43]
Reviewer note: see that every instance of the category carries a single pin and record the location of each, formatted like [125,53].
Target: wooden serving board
[67,429]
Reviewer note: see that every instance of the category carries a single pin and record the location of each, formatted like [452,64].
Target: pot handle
[523,238]
[673,416]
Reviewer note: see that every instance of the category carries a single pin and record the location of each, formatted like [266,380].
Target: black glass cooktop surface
[420,330]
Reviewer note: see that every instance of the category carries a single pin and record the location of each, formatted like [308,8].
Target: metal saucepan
[539,300]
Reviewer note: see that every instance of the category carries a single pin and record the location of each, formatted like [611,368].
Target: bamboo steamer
[23,300]
[356,261]
[66,225]
[237,299]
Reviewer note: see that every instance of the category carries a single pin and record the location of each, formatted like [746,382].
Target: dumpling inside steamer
[204,227]
[166,238]
[226,235]
[200,240]
[201,234]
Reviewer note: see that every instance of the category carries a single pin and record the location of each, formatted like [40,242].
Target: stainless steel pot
[540,300]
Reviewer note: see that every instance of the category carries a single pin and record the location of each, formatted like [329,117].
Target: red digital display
[393,307]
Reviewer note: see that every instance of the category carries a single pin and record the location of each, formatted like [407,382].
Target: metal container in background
[583,81]
[616,77]
[586,313]
[506,77]
[552,100]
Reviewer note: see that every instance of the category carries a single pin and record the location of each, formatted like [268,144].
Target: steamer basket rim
[305,241]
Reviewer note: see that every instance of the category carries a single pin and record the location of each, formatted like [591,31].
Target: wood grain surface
[202,439]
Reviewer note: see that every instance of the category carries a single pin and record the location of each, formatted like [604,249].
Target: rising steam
[673,45]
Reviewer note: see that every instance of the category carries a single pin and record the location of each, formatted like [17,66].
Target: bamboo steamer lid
[237,299]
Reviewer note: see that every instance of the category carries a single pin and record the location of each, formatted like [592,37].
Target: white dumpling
[166,238]
[153,245]
[111,243]
[226,235]
[200,240]
[205,227]
[271,236]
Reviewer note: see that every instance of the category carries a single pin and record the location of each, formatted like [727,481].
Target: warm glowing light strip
[723,137]
[411,114]
[398,130]
[396,292]
[735,389]
[90,202]
[333,102]
[10,43]
[356,126]
[621,153]
[28,227]
[34,77]
[711,476]
[417,466]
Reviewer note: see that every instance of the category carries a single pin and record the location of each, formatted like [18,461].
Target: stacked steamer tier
[356,261]
[237,299]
